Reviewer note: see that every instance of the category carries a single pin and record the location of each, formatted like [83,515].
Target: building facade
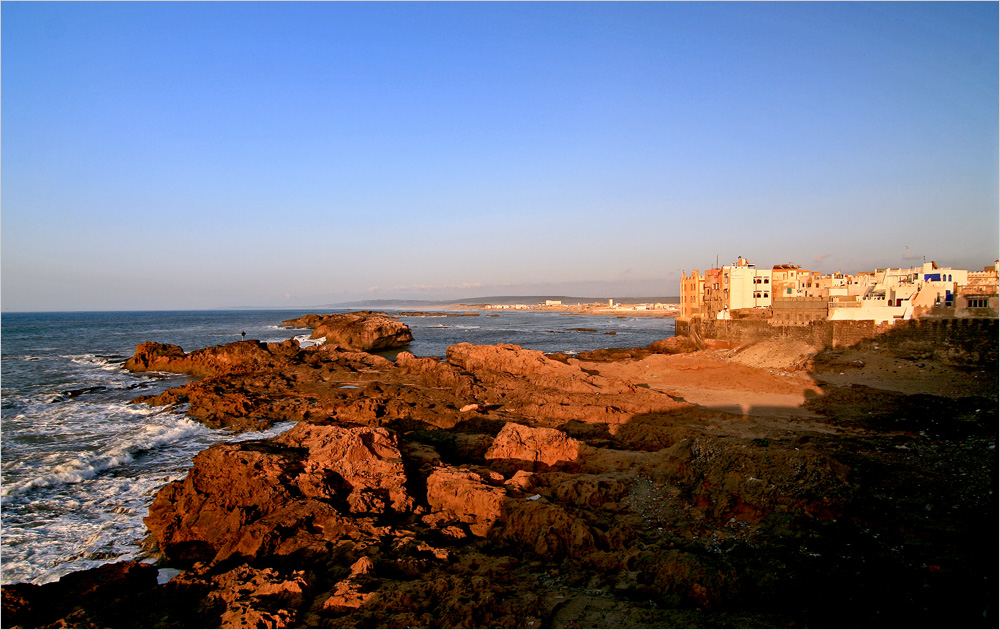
[788,295]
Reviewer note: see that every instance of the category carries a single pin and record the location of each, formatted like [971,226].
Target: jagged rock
[518,447]
[233,358]
[249,597]
[363,331]
[367,460]
[239,498]
[101,597]
[501,361]
[467,497]
[565,497]
[529,383]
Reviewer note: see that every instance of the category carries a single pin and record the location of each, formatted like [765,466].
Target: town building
[787,295]
[692,294]
[721,292]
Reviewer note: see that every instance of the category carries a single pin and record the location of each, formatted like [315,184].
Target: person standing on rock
[243,336]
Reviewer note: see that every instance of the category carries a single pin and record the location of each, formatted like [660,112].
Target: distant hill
[499,299]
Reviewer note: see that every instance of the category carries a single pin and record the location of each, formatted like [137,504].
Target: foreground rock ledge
[505,488]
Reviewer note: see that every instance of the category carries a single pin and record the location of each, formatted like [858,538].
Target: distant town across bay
[504,300]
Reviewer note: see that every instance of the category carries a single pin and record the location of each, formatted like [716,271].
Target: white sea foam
[305,341]
[94,361]
[87,466]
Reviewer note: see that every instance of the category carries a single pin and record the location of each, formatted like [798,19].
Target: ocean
[80,465]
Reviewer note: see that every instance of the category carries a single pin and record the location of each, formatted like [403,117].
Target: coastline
[625,310]
[505,487]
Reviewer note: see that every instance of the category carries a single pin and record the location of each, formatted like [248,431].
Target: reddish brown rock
[673,345]
[467,497]
[551,392]
[350,594]
[234,358]
[249,597]
[152,356]
[518,447]
[548,530]
[363,331]
[238,499]
[367,460]
[490,363]
[503,487]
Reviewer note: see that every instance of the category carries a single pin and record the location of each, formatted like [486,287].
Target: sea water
[81,465]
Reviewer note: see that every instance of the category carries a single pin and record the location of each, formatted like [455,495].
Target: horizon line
[339,305]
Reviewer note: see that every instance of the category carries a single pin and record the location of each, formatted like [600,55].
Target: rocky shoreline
[674,485]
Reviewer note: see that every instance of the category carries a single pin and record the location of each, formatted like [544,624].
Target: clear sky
[212,155]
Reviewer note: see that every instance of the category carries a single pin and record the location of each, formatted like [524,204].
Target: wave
[79,469]
[305,341]
[113,364]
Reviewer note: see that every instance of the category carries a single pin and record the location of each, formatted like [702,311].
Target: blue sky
[206,155]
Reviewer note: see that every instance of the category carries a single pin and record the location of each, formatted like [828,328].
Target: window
[979,302]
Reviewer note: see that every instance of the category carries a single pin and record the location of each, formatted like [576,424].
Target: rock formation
[362,331]
[312,479]
[503,487]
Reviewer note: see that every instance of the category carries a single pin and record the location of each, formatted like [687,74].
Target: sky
[217,155]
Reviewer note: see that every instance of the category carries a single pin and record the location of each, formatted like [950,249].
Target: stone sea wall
[963,334]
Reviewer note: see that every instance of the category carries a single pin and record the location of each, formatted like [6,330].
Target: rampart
[967,335]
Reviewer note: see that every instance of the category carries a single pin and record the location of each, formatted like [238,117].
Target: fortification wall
[751,330]
[963,340]
[960,335]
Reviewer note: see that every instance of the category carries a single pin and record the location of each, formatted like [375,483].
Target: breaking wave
[82,468]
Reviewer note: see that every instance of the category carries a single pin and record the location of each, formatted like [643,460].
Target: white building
[744,287]
[892,294]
